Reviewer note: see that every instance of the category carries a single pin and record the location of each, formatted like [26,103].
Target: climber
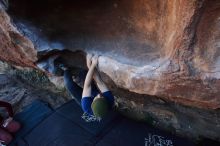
[94,104]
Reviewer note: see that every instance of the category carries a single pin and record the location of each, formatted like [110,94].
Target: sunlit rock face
[165,48]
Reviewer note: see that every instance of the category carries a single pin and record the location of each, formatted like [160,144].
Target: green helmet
[99,107]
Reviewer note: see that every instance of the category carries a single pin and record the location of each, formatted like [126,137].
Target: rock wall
[160,47]
[14,47]
[163,48]
[179,75]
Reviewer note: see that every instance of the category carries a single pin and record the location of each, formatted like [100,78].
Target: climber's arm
[87,85]
[101,85]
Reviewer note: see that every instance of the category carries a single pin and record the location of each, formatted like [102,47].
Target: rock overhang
[166,49]
[147,47]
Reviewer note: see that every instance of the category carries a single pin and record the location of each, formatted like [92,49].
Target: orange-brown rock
[165,48]
[169,49]
[14,47]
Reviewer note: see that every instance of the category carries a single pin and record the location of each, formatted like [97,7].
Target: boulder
[159,47]
[169,50]
[15,48]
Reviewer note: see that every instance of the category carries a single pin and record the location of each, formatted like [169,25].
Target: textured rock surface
[168,49]
[14,47]
[160,48]
[20,93]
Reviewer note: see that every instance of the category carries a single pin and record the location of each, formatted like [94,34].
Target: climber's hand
[89,60]
[95,60]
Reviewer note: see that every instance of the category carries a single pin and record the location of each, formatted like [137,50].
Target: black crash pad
[73,112]
[65,127]
[131,133]
[31,116]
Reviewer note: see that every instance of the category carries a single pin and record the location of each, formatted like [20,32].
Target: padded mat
[65,127]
